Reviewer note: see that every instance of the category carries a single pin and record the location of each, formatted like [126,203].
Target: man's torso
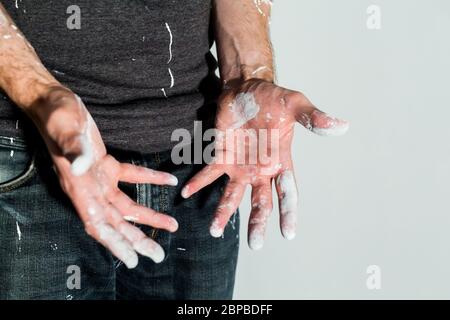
[141,67]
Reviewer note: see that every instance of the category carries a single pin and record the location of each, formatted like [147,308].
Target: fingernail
[256,241]
[288,234]
[173,181]
[151,250]
[131,261]
[185,192]
[215,230]
[175,225]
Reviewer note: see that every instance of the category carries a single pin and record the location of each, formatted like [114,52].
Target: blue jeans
[46,254]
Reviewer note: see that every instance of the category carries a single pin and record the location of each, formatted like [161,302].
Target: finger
[325,125]
[136,174]
[139,241]
[204,177]
[131,211]
[288,203]
[261,209]
[228,204]
[114,242]
[313,119]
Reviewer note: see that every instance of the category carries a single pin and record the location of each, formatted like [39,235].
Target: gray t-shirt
[143,68]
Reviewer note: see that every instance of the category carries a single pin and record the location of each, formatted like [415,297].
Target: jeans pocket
[17,165]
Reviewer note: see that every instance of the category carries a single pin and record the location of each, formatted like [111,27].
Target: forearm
[22,75]
[243,40]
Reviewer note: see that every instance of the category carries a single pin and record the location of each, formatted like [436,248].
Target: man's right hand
[89,176]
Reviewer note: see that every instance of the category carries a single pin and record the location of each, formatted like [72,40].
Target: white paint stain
[288,203]
[215,229]
[58,72]
[170,43]
[11,154]
[172,79]
[87,158]
[19,232]
[244,108]
[119,246]
[233,221]
[130,218]
[181,249]
[335,129]
[257,70]
[259,3]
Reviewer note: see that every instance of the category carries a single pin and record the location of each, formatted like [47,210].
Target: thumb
[84,159]
[314,119]
[77,149]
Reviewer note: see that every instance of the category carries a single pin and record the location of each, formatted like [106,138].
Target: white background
[379,195]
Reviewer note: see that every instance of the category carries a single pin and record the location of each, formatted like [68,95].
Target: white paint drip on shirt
[171,42]
[172,80]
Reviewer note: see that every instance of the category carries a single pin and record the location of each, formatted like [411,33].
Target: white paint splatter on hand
[87,157]
[288,203]
[334,128]
[215,229]
[244,108]
[259,3]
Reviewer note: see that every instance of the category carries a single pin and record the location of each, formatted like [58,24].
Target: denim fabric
[42,239]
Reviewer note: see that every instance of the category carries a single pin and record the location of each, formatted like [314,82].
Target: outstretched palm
[255,123]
